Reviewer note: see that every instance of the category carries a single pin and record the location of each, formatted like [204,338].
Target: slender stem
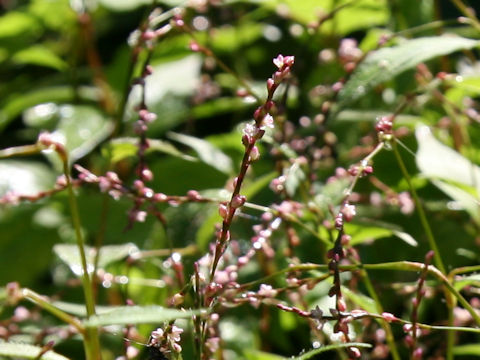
[41,301]
[91,341]
[421,213]
[468,12]
[386,326]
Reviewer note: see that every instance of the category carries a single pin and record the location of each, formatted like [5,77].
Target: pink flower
[348,212]
[267,291]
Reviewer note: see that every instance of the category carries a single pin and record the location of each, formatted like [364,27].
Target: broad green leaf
[310,354]
[386,63]
[124,5]
[124,315]
[79,309]
[26,351]
[349,16]
[82,128]
[25,177]
[39,55]
[468,349]
[122,148]
[14,24]
[466,281]
[57,15]
[70,255]
[294,177]
[348,115]
[18,102]
[261,355]
[229,38]
[208,153]
[361,233]
[218,106]
[365,302]
[445,167]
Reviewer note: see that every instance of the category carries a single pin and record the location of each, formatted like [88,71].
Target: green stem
[41,301]
[91,341]
[421,213]
[468,12]
[386,326]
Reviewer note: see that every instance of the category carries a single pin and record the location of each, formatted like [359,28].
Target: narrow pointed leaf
[25,351]
[208,153]
[124,315]
[384,64]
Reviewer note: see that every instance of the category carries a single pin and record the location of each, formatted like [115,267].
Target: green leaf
[70,255]
[384,64]
[452,173]
[261,355]
[361,233]
[122,148]
[82,128]
[467,281]
[311,353]
[14,24]
[25,177]
[294,177]
[124,5]
[79,309]
[124,315]
[39,55]
[468,349]
[18,102]
[365,302]
[208,153]
[26,351]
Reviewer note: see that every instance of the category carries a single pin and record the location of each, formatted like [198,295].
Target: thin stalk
[421,213]
[91,341]
[468,12]
[386,326]
[42,302]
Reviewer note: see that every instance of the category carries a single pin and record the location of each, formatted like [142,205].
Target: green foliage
[151,110]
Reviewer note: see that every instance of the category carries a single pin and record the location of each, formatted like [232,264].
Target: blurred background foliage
[66,67]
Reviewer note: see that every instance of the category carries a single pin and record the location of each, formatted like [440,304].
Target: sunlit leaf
[26,351]
[312,353]
[13,24]
[41,56]
[261,355]
[467,349]
[446,168]
[124,5]
[138,315]
[208,153]
[25,177]
[82,128]
[18,102]
[122,148]
[364,302]
[467,281]
[70,255]
[294,177]
[384,64]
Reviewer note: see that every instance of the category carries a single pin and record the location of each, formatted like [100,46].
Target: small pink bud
[223,211]
[389,317]
[147,175]
[237,201]
[348,212]
[149,35]
[193,195]
[194,46]
[254,154]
